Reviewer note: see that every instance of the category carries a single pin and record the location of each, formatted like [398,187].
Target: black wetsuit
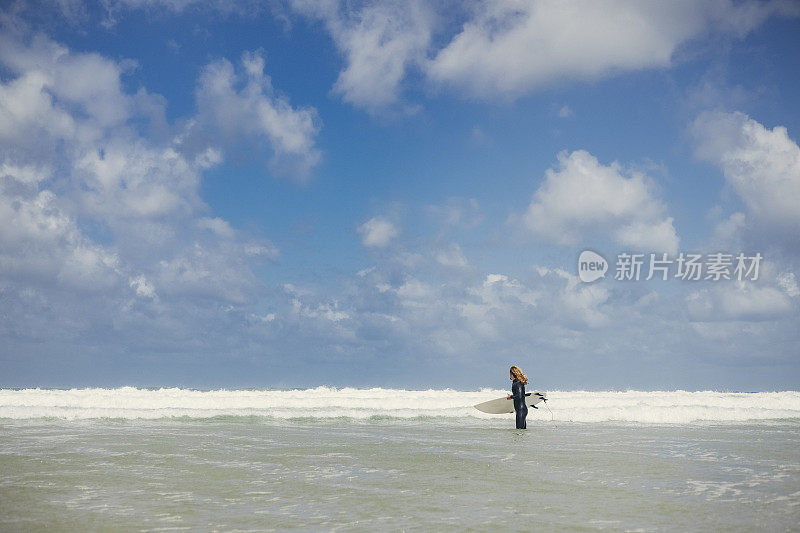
[518,394]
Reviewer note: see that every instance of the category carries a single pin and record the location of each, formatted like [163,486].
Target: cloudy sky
[396,193]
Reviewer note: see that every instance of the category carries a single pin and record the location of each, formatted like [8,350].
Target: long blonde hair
[518,375]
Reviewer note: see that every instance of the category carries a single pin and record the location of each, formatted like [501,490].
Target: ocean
[344,459]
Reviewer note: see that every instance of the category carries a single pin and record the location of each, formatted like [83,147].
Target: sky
[385,193]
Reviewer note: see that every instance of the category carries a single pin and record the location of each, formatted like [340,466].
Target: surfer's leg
[521,415]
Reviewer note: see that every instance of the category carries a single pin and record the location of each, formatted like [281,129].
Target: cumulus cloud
[429,318]
[761,165]
[103,234]
[503,49]
[235,106]
[509,48]
[576,304]
[217,225]
[88,81]
[41,244]
[478,317]
[727,232]
[493,297]
[381,41]
[740,301]
[323,311]
[143,287]
[125,179]
[103,231]
[451,256]
[582,199]
[378,232]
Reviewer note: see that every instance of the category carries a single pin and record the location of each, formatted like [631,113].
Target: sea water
[376,459]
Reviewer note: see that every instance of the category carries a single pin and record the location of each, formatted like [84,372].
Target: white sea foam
[328,402]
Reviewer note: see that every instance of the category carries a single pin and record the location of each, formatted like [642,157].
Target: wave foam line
[329,402]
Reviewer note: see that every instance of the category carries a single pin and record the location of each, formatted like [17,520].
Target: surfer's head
[517,375]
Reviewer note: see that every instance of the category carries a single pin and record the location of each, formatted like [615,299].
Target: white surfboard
[502,405]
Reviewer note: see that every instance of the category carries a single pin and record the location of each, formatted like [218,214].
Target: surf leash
[552,416]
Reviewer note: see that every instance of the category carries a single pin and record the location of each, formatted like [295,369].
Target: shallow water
[434,473]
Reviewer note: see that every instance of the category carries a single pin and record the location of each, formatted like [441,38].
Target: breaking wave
[670,407]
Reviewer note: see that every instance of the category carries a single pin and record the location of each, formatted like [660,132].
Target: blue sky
[386,193]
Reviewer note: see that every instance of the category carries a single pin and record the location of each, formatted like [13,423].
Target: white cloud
[648,235]
[416,293]
[26,109]
[494,297]
[566,112]
[109,238]
[574,303]
[106,236]
[761,165]
[88,81]
[397,307]
[788,283]
[738,301]
[451,256]
[219,226]
[127,178]
[509,48]
[583,199]
[727,231]
[381,41]
[504,48]
[41,244]
[24,174]
[236,106]
[143,287]
[215,270]
[463,316]
[378,232]
[304,304]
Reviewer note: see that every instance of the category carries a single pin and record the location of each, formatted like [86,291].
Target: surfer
[518,394]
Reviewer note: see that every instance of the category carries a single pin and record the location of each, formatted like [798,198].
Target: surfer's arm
[516,392]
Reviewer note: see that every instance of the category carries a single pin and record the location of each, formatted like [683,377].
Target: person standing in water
[518,394]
